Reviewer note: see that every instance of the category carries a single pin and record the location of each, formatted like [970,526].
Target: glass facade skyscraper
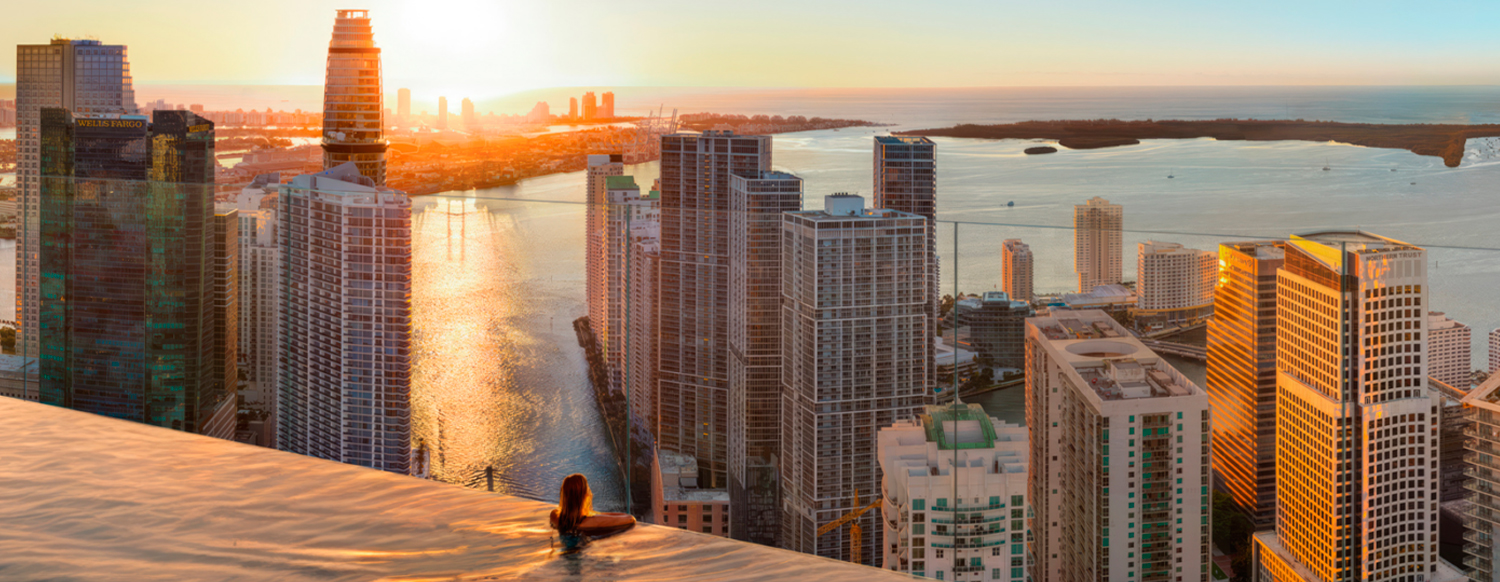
[127,324]
[353,124]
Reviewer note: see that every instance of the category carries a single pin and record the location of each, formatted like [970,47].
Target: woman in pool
[575,515]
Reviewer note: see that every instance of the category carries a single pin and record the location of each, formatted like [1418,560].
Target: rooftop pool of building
[85,497]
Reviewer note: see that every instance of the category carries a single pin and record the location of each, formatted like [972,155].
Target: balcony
[86,495]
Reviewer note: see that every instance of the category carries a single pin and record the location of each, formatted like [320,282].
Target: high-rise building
[1174,285]
[590,106]
[226,299]
[678,501]
[466,108]
[625,207]
[954,495]
[1356,426]
[1482,513]
[856,345]
[597,250]
[85,77]
[1450,350]
[694,294]
[1098,243]
[260,295]
[997,328]
[573,107]
[1494,351]
[353,101]
[124,333]
[906,181]
[1119,456]
[1242,375]
[756,201]
[442,114]
[1017,265]
[607,106]
[641,325]
[345,367]
[403,104]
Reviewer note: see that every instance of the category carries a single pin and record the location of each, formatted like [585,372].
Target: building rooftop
[1101,295]
[679,474]
[903,139]
[1325,246]
[1108,359]
[90,497]
[1437,321]
[620,183]
[958,426]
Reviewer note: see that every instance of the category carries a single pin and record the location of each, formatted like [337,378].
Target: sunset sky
[488,48]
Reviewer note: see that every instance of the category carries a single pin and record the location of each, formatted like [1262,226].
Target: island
[1442,140]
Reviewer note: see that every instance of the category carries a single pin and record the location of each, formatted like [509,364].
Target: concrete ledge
[84,497]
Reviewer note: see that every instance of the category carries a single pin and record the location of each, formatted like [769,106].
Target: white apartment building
[1450,350]
[1494,351]
[596,243]
[88,79]
[1017,270]
[855,342]
[953,495]
[642,326]
[260,291]
[1119,456]
[624,207]
[345,368]
[1174,285]
[1098,243]
[1357,429]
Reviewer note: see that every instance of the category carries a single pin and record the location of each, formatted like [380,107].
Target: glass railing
[697,355]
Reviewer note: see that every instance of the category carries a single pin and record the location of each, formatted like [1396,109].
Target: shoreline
[1445,141]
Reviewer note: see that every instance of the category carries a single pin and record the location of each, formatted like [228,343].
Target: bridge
[1199,353]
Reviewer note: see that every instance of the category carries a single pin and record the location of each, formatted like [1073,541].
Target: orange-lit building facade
[1242,375]
[1356,426]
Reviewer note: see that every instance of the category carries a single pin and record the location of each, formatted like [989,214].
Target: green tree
[8,340]
[1231,532]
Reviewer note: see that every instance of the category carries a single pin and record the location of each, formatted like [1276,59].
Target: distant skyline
[487,49]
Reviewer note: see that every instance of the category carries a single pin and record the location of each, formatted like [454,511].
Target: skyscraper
[124,333]
[625,207]
[403,104]
[590,106]
[466,108]
[1494,351]
[607,108]
[694,315]
[602,300]
[1482,513]
[442,120]
[1356,426]
[641,322]
[260,295]
[1242,375]
[353,128]
[756,201]
[906,181]
[573,108]
[1174,285]
[856,343]
[1098,243]
[1450,350]
[1017,267]
[226,300]
[954,458]
[1119,456]
[85,77]
[345,368]
[906,175]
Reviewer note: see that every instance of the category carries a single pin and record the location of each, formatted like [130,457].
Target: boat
[1170,175]
[1011,203]
[1325,165]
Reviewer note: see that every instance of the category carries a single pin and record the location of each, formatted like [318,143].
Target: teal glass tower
[127,324]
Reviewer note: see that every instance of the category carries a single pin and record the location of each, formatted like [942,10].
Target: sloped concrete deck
[84,497]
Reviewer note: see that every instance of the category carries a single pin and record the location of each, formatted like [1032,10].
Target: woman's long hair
[574,503]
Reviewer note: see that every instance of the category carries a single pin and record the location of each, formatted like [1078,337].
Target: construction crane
[856,535]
